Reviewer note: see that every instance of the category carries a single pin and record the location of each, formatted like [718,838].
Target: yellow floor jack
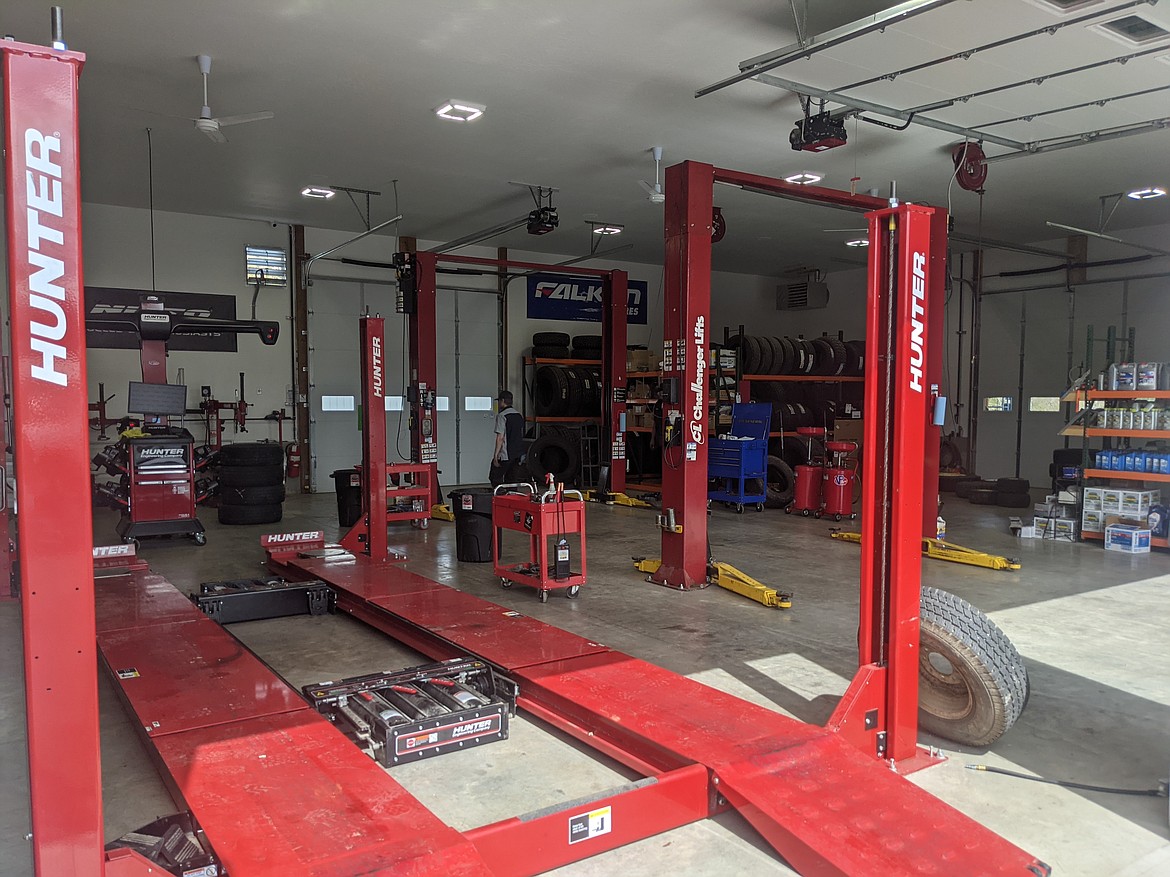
[440,511]
[941,550]
[727,576]
[616,499]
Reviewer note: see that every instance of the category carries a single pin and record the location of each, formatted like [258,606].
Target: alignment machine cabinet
[161,468]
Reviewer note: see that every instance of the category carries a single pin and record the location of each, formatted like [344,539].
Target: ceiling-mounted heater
[802,295]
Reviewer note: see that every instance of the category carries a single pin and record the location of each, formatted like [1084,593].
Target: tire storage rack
[810,382]
[251,483]
[566,394]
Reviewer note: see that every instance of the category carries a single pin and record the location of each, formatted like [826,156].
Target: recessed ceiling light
[1147,193]
[858,242]
[323,192]
[804,178]
[606,228]
[459,110]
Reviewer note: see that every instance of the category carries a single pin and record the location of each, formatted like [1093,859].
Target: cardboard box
[1111,501]
[1093,522]
[1127,539]
[1065,530]
[1093,499]
[638,360]
[849,431]
[1136,503]
[1043,528]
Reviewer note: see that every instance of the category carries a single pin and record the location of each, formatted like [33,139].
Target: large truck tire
[973,684]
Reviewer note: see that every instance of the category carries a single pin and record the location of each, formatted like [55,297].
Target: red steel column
[936,314]
[879,712]
[424,370]
[614,316]
[43,214]
[686,329]
[913,404]
[373,341]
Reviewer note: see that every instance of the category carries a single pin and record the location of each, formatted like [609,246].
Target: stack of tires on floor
[1008,493]
[251,483]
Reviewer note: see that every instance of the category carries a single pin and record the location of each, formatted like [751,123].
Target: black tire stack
[586,347]
[557,451]
[251,483]
[550,345]
[826,356]
[567,391]
[1008,493]
[1012,493]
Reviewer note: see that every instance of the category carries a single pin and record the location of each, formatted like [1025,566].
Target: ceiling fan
[654,192]
[210,125]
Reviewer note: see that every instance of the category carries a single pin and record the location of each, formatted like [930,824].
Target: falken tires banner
[565,297]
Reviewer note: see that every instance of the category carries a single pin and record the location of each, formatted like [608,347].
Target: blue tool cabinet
[732,462]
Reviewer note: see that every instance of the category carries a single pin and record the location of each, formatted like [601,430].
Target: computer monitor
[157,400]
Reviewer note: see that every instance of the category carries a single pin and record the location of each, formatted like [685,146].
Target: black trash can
[347,483]
[473,524]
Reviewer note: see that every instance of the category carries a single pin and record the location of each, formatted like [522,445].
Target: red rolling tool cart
[548,518]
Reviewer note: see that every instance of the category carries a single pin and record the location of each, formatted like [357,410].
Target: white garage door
[467,343]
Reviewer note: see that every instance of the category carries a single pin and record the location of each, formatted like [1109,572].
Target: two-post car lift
[277,789]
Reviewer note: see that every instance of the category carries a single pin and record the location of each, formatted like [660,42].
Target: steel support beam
[905,115]
[424,371]
[43,216]
[614,315]
[300,315]
[685,331]
[835,37]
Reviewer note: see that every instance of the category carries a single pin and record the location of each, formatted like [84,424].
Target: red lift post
[42,177]
[43,215]
[907,259]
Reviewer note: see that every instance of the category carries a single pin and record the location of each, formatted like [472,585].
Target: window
[393,403]
[1044,403]
[443,403]
[997,403]
[337,403]
[477,403]
[269,260]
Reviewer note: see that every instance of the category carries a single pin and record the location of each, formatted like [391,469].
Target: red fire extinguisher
[294,460]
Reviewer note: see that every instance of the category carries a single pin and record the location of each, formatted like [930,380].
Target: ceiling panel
[577,94]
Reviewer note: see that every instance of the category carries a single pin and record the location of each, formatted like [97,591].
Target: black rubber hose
[1145,793]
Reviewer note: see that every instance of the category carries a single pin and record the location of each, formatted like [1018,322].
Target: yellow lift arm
[617,499]
[727,576]
[940,550]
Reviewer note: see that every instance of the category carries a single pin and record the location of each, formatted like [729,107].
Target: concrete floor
[1094,628]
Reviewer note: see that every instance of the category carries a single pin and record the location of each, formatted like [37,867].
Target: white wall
[1139,303]
[193,254]
[205,254]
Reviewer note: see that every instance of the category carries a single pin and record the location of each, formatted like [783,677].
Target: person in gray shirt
[509,450]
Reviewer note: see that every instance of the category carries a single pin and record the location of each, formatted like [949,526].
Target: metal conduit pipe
[1160,275]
